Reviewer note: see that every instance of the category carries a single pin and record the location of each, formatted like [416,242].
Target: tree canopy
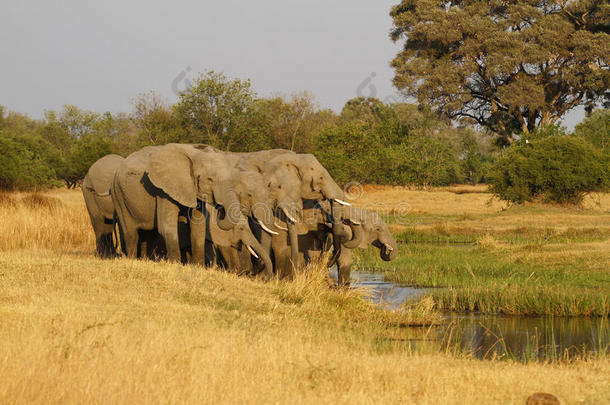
[216,110]
[507,65]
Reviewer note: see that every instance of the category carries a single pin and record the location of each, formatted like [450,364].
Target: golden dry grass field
[77,329]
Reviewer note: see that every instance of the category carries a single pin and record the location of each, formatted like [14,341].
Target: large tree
[508,65]
[217,110]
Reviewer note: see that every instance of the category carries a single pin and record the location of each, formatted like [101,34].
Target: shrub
[560,169]
[21,167]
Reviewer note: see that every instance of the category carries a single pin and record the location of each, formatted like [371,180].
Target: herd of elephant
[267,212]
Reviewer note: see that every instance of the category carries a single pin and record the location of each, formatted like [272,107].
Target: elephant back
[101,173]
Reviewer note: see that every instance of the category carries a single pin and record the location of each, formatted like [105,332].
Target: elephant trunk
[294,245]
[337,226]
[389,248]
[225,196]
[357,236]
[351,215]
[290,213]
[263,255]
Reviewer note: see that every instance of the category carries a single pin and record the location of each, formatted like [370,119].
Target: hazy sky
[100,54]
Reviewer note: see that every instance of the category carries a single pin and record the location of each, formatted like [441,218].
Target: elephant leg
[198,236]
[127,227]
[144,247]
[131,239]
[103,238]
[106,245]
[344,267]
[235,264]
[167,224]
[283,262]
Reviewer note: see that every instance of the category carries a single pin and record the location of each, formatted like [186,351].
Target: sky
[99,55]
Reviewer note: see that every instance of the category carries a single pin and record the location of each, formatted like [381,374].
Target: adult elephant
[156,185]
[296,177]
[96,192]
[365,229]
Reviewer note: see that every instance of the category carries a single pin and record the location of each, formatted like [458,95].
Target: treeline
[368,141]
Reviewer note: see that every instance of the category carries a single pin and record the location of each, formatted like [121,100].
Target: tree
[21,167]
[351,151]
[156,122]
[508,65]
[557,168]
[216,110]
[286,122]
[596,129]
[85,151]
[80,138]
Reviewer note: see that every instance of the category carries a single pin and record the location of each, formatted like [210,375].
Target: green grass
[445,233]
[523,272]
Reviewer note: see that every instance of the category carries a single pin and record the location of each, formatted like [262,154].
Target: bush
[21,167]
[558,169]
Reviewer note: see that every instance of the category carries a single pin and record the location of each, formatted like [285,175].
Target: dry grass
[434,201]
[56,220]
[7,200]
[478,210]
[77,329]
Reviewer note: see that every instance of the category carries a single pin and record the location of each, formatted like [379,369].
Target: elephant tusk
[388,247]
[267,229]
[290,218]
[343,202]
[353,221]
[252,252]
[282,227]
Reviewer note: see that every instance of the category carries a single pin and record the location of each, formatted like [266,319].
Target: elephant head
[374,232]
[187,174]
[254,198]
[240,237]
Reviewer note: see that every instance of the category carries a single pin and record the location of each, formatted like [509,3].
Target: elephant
[365,228]
[313,232]
[157,184]
[96,192]
[254,203]
[294,177]
[375,233]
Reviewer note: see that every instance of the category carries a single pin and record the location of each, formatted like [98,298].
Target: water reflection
[493,336]
[525,338]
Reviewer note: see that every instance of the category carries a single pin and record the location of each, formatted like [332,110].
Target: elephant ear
[171,170]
